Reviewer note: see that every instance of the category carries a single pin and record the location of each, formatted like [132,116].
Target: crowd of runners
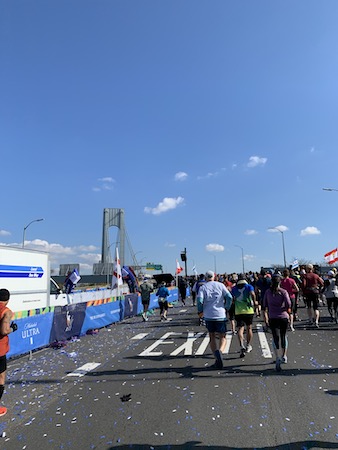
[273,296]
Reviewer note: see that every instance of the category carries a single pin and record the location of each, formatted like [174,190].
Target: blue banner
[130,305]
[99,316]
[67,321]
[32,333]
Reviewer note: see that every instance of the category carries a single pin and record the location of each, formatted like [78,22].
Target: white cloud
[214,248]
[181,176]
[105,184]
[255,161]
[249,257]
[4,233]
[234,166]
[309,231]
[250,232]
[208,175]
[165,205]
[281,228]
[106,180]
[167,244]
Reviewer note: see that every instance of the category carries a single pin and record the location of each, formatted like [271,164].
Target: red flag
[332,256]
[178,267]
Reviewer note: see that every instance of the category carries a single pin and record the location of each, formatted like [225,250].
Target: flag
[332,256]
[178,267]
[117,274]
[295,264]
[74,277]
[194,270]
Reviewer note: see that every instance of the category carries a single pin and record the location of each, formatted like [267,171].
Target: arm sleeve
[200,301]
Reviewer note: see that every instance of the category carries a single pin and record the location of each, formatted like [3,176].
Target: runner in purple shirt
[277,307]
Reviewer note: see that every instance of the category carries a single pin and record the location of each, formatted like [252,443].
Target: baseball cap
[331,273]
[210,274]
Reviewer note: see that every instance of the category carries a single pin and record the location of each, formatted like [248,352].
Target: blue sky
[207,122]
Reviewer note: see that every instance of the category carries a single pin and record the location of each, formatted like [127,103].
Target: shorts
[244,319]
[216,326]
[311,299]
[3,364]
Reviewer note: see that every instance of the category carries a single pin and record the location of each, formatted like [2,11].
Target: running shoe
[316,324]
[3,411]
[278,365]
[284,360]
[248,348]
[242,353]
[292,328]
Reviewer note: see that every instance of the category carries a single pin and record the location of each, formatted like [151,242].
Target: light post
[25,228]
[215,268]
[282,233]
[242,257]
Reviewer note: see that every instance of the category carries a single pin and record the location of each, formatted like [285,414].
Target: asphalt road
[148,385]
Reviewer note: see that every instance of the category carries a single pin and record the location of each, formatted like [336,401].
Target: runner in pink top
[291,287]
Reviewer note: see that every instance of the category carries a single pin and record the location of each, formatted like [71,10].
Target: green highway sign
[153,266]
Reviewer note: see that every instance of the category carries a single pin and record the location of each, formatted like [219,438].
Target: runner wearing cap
[213,300]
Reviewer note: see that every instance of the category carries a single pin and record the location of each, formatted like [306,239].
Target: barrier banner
[130,305]
[32,333]
[67,321]
[99,316]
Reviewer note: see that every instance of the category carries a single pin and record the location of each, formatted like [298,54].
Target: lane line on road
[229,339]
[266,352]
[81,371]
[140,336]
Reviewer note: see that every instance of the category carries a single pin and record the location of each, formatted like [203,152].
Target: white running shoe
[248,348]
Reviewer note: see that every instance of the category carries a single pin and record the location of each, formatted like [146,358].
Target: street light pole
[283,243]
[25,228]
[242,257]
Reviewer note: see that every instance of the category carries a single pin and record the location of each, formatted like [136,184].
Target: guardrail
[90,310]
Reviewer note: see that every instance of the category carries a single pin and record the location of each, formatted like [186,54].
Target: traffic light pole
[184,259]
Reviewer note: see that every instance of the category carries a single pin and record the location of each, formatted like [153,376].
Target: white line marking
[202,348]
[263,341]
[81,371]
[140,336]
[183,310]
[229,339]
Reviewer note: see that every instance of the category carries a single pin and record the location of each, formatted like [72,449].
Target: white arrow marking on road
[149,351]
[263,341]
[81,371]
[187,346]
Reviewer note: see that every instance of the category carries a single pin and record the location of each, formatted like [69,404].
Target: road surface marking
[187,346]
[81,371]
[229,339]
[140,336]
[149,351]
[263,341]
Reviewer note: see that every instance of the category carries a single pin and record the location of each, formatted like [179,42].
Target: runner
[290,285]
[277,306]
[213,299]
[163,294]
[311,285]
[245,301]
